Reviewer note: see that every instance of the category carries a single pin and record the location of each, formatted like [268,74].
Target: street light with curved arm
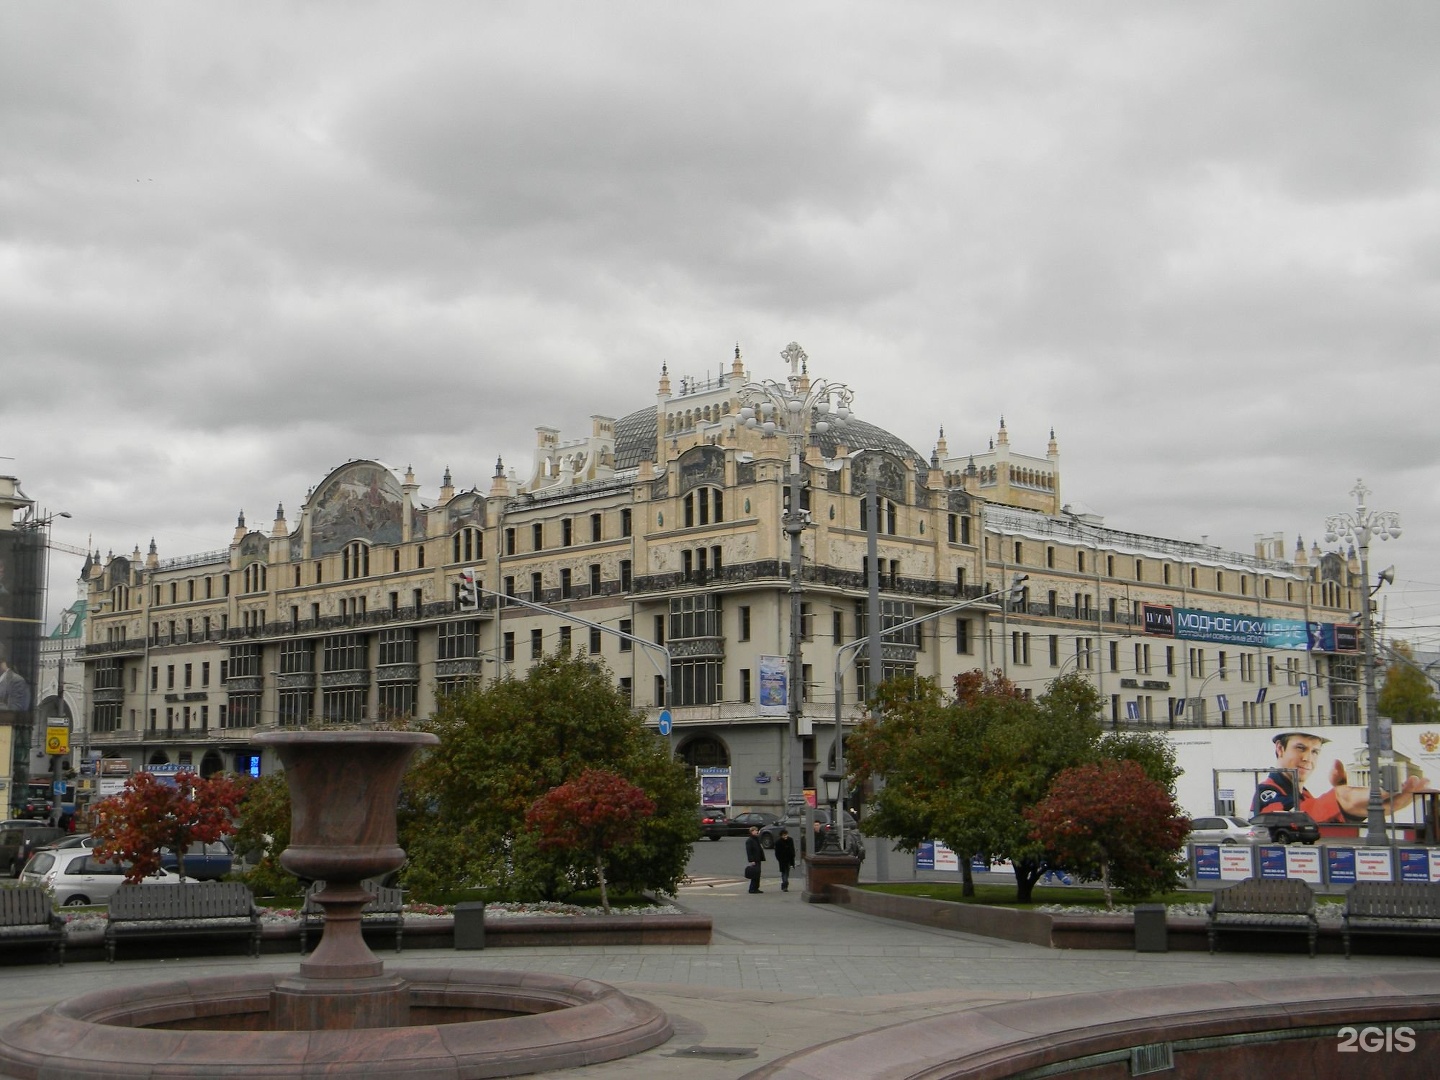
[1012,593]
[1359,528]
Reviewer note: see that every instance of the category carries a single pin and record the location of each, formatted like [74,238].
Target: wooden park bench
[27,917]
[1390,907]
[1266,906]
[202,909]
[385,911]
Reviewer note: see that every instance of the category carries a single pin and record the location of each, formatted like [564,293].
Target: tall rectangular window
[594,579]
[625,580]
[537,645]
[507,646]
[594,640]
[744,632]
[626,627]
[595,527]
[745,685]
[625,519]
[962,637]
[567,532]
[566,589]
[537,536]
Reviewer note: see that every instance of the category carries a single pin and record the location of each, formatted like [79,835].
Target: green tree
[263,832]
[964,770]
[1148,749]
[589,817]
[462,814]
[1408,696]
[1109,821]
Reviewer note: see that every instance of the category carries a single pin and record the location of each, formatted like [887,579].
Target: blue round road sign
[666,724]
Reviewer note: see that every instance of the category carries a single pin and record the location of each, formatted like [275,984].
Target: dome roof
[635,440]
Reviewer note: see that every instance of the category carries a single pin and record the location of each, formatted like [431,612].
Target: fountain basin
[462,1024]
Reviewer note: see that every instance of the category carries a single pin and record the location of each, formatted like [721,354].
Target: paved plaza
[779,975]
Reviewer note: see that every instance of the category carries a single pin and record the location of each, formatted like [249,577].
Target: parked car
[854,842]
[1224,830]
[79,878]
[711,822]
[18,843]
[1288,827]
[203,862]
[739,824]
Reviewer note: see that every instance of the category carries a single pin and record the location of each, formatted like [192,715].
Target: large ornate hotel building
[667,526]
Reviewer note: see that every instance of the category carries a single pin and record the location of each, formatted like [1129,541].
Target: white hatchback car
[76,877]
[1224,830]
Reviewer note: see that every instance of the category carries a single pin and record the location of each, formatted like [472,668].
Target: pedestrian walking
[784,858]
[754,856]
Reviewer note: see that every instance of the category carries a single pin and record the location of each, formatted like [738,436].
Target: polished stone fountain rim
[566,1022]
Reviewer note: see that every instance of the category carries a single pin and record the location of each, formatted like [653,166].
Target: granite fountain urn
[342,1013]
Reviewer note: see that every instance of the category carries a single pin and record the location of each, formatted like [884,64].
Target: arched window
[467,545]
[211,764]
[355,560]
[703,506]
[704,752]
[159,758]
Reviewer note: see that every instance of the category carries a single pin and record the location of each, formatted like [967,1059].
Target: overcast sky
[243,243]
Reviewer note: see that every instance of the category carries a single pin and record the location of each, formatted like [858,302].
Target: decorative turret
[239,528]
[1053,450]
[280,528]
[737,366]
[1003,437]
[152,560]
[664,390]
[447,486]
[499,487]
[942,450]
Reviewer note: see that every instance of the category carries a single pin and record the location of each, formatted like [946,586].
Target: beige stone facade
[666,525]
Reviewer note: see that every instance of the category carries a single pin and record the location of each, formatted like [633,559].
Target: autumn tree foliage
[589,817]
[503,746]
[151,814]
[1109,821]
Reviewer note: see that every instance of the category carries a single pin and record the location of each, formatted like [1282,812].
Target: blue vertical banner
[1342,865]
[774,685]
[1207,862]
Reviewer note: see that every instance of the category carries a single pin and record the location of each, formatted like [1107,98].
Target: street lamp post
[846,655]
[1358,528]
[796,407]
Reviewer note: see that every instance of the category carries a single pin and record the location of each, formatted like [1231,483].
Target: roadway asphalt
[779,975]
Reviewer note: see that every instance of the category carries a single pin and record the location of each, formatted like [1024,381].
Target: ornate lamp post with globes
[1358,528]
[797,408]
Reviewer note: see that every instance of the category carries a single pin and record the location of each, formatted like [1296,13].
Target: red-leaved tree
[1110,822]
[151,814]
[591,815]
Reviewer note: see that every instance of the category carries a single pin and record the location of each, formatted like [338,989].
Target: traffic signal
[1016,595]
[467,596]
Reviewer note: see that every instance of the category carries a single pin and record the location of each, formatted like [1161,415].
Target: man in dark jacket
[784,858]
[754,856]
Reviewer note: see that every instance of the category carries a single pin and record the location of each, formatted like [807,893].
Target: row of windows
[568,532]
[1115,566]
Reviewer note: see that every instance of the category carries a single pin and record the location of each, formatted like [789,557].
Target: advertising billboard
[1256,631]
